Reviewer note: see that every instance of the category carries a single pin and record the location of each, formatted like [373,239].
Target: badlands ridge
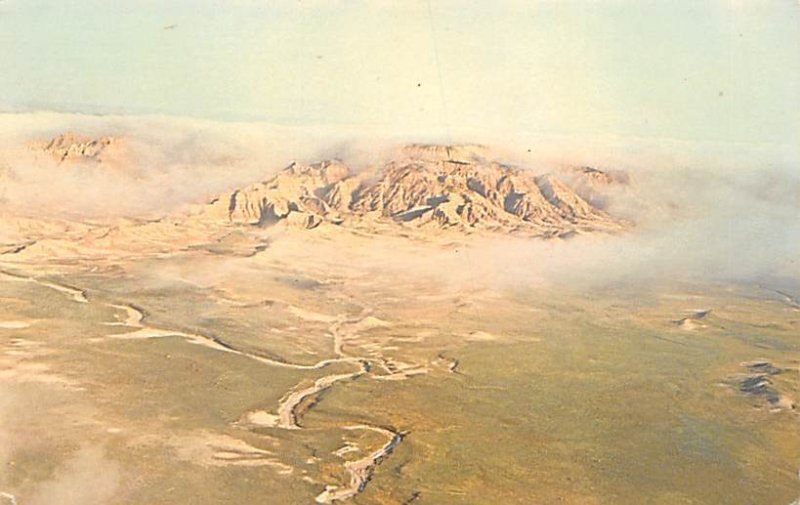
[425,192]
[428,186]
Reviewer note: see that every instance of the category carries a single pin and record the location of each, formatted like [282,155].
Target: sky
[686,70]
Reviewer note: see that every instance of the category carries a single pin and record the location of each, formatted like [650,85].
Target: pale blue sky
[695,70]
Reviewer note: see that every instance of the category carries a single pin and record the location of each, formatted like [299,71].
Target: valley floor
[207,377]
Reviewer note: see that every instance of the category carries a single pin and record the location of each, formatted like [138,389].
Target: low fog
[697,210]
[161,164]
[83,475]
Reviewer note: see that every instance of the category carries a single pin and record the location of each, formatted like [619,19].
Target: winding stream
[287,415]
[361,470]
[287,409]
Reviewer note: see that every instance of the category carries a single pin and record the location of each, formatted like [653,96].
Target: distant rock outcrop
[73,146]
[430,186]
[594,185]
[761,382]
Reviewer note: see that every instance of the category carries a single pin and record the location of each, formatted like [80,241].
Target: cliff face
[428,187]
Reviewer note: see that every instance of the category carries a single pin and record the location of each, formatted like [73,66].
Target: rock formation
[452,187]
[72,146]
[594,185]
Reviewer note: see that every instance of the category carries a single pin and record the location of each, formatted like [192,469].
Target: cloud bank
[699,210]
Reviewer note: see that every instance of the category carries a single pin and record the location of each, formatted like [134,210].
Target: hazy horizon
[709,72]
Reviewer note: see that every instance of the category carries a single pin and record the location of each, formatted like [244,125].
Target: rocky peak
[445,152]
[427,188]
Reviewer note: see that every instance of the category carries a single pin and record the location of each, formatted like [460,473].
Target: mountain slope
[428,187]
